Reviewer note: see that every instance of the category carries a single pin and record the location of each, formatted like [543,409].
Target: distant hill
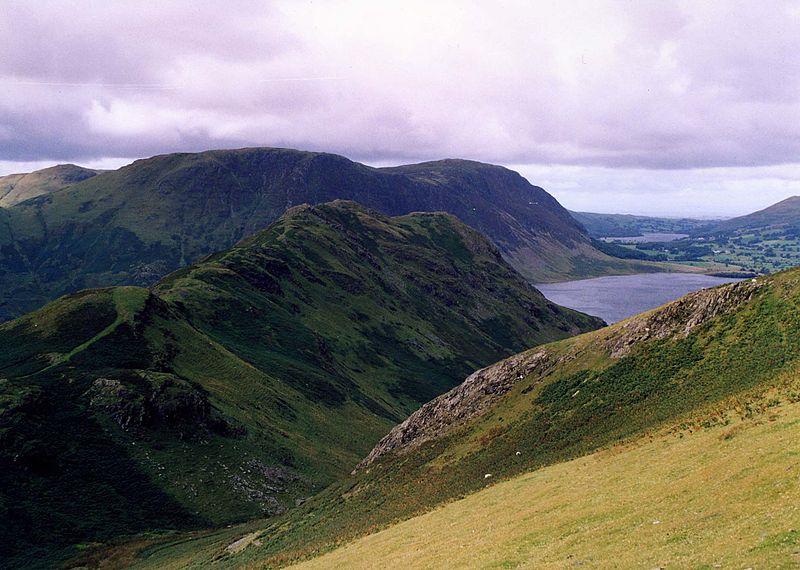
[723,359]
[781,220]
[627,225]
[249,380]
[136,224]
[15,188]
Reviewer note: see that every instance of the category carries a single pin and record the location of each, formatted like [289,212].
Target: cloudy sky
[656,107]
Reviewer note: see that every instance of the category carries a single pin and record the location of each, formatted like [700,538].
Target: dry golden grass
[724,497]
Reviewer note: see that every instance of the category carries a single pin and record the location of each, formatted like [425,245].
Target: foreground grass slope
[693,362]
[247,381]
[136,224]
[726,496]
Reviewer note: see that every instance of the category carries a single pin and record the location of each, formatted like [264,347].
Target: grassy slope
[581,399]
[136,224]
[626,225]
[722,497]
[248,380]
[16,188]
[782,216]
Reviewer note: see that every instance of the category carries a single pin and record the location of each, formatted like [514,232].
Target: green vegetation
[719,497]
[739,359]
[134,225]
[15,188]
[627,225]
[743,254]
[759,243]
[248,381]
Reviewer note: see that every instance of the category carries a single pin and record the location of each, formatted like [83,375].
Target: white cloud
[673,85]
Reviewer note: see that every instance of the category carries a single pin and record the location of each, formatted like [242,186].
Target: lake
[647,238]
[621,296]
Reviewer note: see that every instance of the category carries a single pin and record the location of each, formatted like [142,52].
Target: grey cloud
[667,85]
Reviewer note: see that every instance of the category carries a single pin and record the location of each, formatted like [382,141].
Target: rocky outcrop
[170,404]
[480,391]
[679,317]
[476,395]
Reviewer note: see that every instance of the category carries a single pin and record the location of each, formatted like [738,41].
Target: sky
[654,107]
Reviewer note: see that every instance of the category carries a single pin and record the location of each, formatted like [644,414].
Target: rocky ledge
[482,389]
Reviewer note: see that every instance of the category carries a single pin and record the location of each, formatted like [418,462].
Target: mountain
[628,225]
[723,359]
[779,221]
[16,188]
[246,381]
[136,224]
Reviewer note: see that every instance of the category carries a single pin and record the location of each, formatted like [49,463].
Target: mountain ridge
[249,380]
[133,225]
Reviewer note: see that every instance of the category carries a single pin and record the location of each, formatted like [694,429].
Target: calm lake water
[647,238]
[622,296]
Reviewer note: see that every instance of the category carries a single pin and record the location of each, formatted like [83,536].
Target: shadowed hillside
[712,358]
[250,380]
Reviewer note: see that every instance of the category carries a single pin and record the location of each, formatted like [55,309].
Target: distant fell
[629,225]
[780,219]
[15,188]
[136,224]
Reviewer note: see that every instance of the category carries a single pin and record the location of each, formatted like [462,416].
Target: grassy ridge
[596,390]
[247,381]
[134,225]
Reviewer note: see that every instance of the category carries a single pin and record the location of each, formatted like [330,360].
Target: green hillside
[628,225]
[136,224]
[722,497]
[781,219]
[248,381]
[15,188]
[708,359]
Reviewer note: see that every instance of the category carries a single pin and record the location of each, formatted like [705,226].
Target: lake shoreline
[617,297]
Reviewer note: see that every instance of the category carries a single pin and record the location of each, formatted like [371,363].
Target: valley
[243,384]
[705,364]
[756,244]
[321,285]
[248,384]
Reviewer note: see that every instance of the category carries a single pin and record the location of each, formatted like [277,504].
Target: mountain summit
[136,224]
